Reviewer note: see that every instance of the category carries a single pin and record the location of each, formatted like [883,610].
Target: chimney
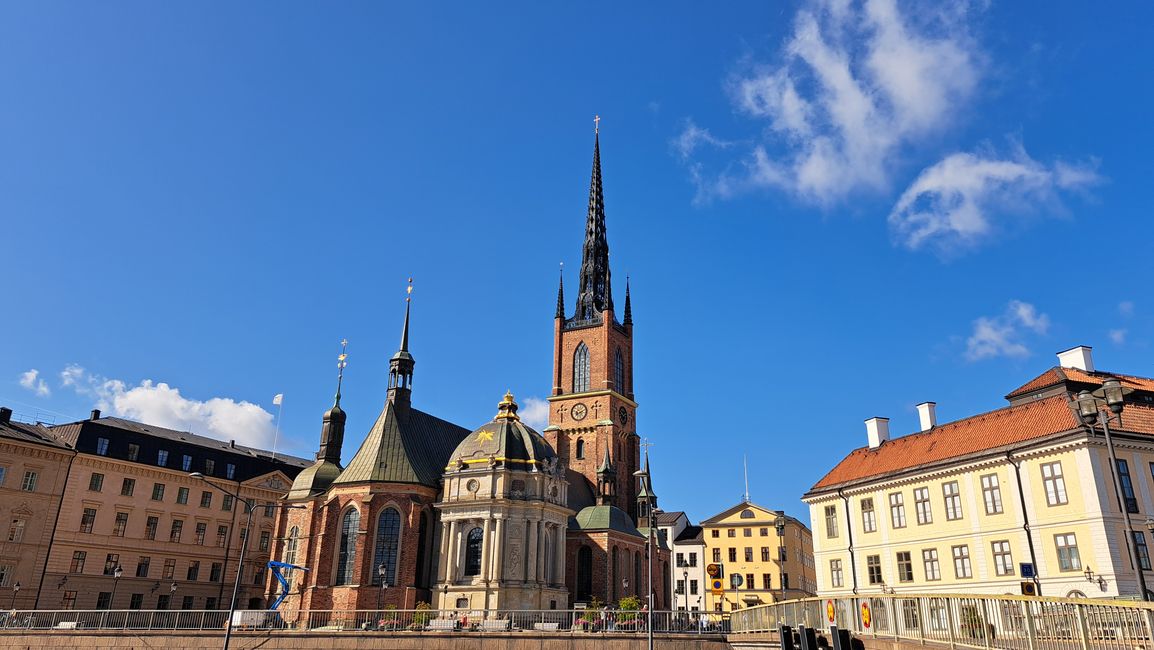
[928,415]
[1078,357]
[95,414]
[5,415]
[878,431]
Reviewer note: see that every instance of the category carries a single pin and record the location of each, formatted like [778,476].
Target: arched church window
[619,372]
[290,545]
[347,547]
[422,552]
[584,573]
[581,369]
[637,573]
[473,542]
[387,543]
[580,448]
[613,575]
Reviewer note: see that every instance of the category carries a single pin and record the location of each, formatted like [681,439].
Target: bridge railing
[967,621]
[382,620]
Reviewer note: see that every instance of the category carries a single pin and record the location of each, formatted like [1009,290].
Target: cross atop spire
[342,361]
[596,124]
[594,291]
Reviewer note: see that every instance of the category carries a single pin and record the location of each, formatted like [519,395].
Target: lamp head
[172,588]
[1087,407]
[196,475]
[16,587]
[1113,393]
[116,573]
[1150,524]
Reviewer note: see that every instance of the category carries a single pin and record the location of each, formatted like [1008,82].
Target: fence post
[1031,633]
[894,616]
[1083,627]
[985,622]
[949,603]
[921,622]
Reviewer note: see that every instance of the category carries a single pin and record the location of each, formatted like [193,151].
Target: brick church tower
[592,411]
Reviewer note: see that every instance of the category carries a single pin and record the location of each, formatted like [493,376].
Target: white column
[486,549]
[531,573]
[499,551]
[443,556]
[560,571]
[454,552]
[540,557]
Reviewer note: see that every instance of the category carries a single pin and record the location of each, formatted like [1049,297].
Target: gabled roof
[669,518]
[1074,378]
[34,433]
[187,437]
[691,534]
[766,513]
[404,446]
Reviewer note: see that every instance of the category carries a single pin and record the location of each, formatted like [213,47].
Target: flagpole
[279,400]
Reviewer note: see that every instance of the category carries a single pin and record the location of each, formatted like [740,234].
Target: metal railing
[605,621]
[967,621]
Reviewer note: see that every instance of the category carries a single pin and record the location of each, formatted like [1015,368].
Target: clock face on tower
[623,415]
[579,412]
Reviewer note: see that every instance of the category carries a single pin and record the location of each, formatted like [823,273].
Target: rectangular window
[16,531]
[905,567]
[922,505]
[209,466]
[749,583]
[104,600]
[748,553]
[835,575]
[87,520]
[206,499]
[210,603]
[163,601]
[186,463]
[127,487]
[680,559]
[29,484]
[679,588]
[69,601]
[1143,550]
[897,510]
[102,446]
[111,562]
[193,570]
[693,559]
[831,521]
[874,569]
[150,526]
[182,495]
[767,582]
[748,532]
[962,561]
[1003,561]
[265,538]
[869,519]
[226,503]
[4,474]
[95,482]
[692,587]
[186,602]
[1068,558]
[716,555]
[953,498]
[221,536]
[764,532]
[269,509]
[1054,483]
[120,524]
[732,555]
[133,451]
[177,529]
[930,562]
[765,554]
[992,494]
[1130,503]
[142,566]
[214,572]
[136,601]
[169,569]
[201,529]
[162,458]
[78,558]
[229,471]
[158,491]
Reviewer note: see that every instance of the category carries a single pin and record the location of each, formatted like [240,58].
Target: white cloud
[32,381]
[953,204]
[693,136]
[854,84]
[1118,336]
[1126,308]
[535,413]
[163,405]
[1001,336]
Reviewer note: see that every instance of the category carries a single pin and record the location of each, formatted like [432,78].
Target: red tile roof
[1056,375]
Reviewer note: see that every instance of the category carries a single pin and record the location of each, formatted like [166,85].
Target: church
[497,516]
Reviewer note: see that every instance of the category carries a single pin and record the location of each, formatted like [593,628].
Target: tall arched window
[613,586]
[290,546]
[388,540]
[473,544]
[581,369]
[580,448]
[347,548]
[584,573]
[422,552]
[619,372]
[637,573]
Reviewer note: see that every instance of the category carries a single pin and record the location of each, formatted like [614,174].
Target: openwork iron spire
[561,293]
[595,293]
[628,307]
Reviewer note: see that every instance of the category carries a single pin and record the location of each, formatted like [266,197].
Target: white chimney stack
[878,431]
[1079,357]
[927,415]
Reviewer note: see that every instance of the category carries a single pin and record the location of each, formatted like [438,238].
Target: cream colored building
[961,506]
[744,541]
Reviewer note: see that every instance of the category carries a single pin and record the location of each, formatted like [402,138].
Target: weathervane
[342,361]
[409,290]
[596,124]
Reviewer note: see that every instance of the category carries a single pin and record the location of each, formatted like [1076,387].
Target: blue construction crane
[276,568]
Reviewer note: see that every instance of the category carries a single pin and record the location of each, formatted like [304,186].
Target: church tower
[591,406]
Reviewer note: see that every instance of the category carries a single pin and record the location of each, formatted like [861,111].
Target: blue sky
[829,211]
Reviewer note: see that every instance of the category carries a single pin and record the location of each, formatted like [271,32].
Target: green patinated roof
[404,446]
[605,518]
[314,479]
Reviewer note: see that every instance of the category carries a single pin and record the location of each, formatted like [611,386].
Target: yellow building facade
[961,506]
[744,541]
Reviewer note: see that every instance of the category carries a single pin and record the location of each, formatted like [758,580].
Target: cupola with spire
[606,481]
[401,364]
[317,477]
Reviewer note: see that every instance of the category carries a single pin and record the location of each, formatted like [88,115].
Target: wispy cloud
[163,405]
[1118,336]
[33,382]
[692,137]
[1126,308]
[953,204]
[852,86]
[535,413]
[1002,335]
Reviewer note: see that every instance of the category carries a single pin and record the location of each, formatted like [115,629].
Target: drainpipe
[1025,520]
[849,532]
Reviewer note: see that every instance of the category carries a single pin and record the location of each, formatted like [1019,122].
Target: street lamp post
[249,506]
[1112,395]
[15,590]
[648,556]
[116,573]
[779,524]
[382,571]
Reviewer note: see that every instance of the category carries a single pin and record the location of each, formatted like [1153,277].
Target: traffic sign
[715,570]
[1026,569]
[736,580]
[717,586]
